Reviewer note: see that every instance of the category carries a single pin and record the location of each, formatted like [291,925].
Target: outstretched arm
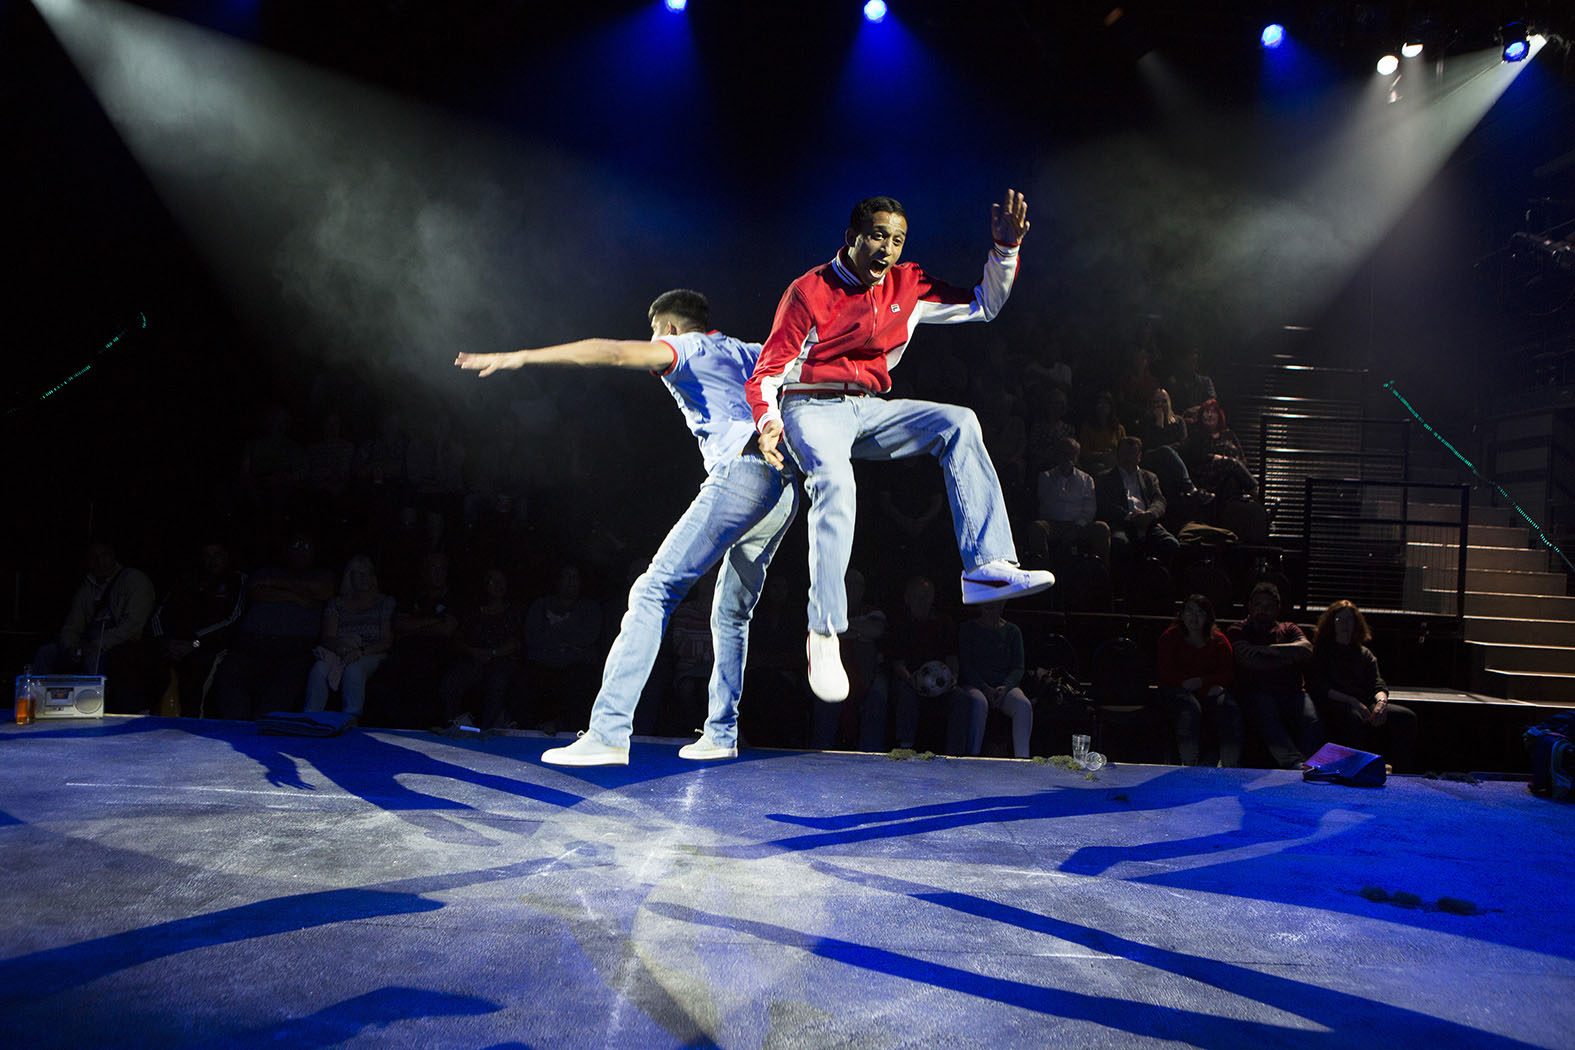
[607,353]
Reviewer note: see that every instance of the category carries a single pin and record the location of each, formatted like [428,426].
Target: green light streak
[140,324]
[1390,386]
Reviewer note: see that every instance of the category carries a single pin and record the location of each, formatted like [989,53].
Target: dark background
[552,170]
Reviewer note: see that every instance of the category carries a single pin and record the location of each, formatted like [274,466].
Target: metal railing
[1384,546]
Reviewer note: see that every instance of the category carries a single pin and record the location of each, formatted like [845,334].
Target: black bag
[1552,757]
[1334,764]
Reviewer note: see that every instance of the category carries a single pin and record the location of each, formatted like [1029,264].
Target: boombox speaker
[67,696]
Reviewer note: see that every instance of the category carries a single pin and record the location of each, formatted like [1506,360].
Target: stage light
[676,5]
[1411,50]
[1516,47]
[875,10]
[1387,65]
[1273,35]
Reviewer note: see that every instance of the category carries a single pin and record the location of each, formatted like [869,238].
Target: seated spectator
[1099,435]
[1136,384]
[990,670]
[1188,387]
[1050,406]
[919,634]
[358,631]
[1269,655]
[194,624]
[266,667]
[861,658]
[561,665]
[1132,504]
[1215,458]
[1350,695]
[109,610]
[1195,667]
[1163,434]
[491,637]
[1068,509]
[405,694]
[693,656]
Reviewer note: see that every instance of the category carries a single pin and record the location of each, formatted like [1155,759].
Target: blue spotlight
[1273,35]
[875,10]
[1515,50]
[676,5]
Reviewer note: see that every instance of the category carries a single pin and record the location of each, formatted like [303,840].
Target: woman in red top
[1195,667]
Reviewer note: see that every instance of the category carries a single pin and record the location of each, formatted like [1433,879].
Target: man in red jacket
[838,332]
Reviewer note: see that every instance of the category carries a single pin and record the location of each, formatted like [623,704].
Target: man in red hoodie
[838,332]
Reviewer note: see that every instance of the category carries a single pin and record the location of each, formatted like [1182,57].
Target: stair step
[1503,656]
[1544,688]
[1512,581]
[1504,517]
[1438,555]
[1517,630]
[1530,606]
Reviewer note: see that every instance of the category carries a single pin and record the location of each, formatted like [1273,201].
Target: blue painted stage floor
[178,883]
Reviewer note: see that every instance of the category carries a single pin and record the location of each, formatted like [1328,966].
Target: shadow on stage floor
[196,884]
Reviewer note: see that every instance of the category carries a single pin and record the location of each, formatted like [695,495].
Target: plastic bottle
[24,697]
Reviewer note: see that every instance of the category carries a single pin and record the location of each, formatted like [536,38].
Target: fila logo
[896,308]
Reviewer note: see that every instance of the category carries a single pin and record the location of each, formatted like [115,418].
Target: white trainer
[586,751]
[998,580]
[827,679]
[705,749]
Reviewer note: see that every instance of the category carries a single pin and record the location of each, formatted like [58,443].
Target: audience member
[1136,385]
[1049,406]
[194,624]
[1188,387]
[919,634]
[861,658]
[990,669]
[265,669]
[1068,510]
[1215,458]
[109,609]
[405,694]
[1350,695]
[1195,667]
[358,631]
[490,639]
[1100,434]
[1132,504]
[1269,656]
[561,672]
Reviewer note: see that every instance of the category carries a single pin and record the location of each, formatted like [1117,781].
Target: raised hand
[1009,219]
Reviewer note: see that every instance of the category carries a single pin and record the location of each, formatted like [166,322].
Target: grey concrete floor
[194,884]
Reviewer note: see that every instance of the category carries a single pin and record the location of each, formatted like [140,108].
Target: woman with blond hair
[358,629]
[1349,692]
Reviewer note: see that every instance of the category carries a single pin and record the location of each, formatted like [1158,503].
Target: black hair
[864,211]
[685,304]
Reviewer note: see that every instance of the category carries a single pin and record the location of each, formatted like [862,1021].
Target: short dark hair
[683,303]
[864,211]
[1265,587]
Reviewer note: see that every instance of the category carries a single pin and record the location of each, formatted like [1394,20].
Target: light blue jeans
[352,684]
[738,517]
[824,434]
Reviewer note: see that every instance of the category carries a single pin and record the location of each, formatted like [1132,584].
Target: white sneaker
[705,748]
[586,751]
[827,679]
[998,580]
